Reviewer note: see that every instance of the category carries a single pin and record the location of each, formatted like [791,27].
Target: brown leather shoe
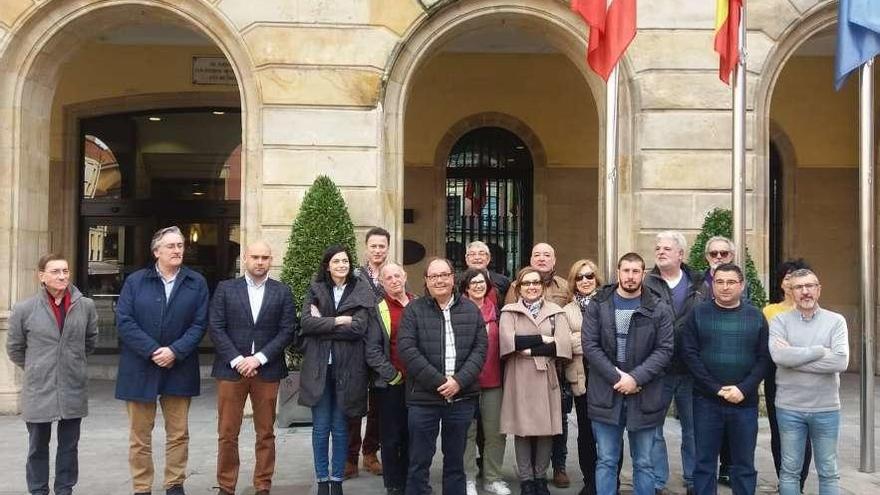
[372,464]
[560,479]
[351,470]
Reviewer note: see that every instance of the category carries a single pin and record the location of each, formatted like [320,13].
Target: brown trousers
[371,437]
[231,397]
[142,418]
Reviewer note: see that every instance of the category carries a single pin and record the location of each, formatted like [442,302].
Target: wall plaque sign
[212,70]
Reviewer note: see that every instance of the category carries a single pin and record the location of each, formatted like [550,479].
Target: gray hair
[720,238]
[803,272]
[674,236]
[174,229]
[390,264]
[480,245]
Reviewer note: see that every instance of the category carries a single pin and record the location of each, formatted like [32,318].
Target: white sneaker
[497,487]
[471,487]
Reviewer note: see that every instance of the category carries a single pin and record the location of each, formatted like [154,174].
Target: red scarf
[60,310]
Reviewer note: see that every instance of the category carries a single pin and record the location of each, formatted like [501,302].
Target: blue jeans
[713,421]
[681,388]
[329,418]
[609,441]
[822,429]
[424,426]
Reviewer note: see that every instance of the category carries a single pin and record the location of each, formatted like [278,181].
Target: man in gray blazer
[252,320]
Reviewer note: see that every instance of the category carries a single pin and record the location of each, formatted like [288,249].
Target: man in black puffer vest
[443,344]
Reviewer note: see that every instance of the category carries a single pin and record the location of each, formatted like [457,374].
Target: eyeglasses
[438,276]
[584,276]
[805,287]
[474,254]
[58,272]
[719,254]
[530,283]
[725,283]
[476,282]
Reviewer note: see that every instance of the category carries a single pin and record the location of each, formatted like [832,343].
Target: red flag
[611,31]
[727,19]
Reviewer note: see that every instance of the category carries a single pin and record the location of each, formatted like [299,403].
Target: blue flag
[858,37]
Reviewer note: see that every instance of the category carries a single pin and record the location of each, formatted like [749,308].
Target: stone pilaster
[10,375]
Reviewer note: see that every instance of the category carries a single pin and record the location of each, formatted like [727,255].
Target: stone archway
[45,38]
[551,20]
[824,212]
[820,17]
[41,40]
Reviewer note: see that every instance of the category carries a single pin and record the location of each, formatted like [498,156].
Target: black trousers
[424,427]
[66,457]
[393,435]
[587,445]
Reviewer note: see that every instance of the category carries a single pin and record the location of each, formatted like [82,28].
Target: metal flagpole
[738,190]
[611,91]
[866,227]
[611,98]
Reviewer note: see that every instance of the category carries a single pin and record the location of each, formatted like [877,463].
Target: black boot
[527,487]
[335,487]
[323,488]
[541,486]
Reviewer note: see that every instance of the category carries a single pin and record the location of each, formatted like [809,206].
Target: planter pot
[290,413]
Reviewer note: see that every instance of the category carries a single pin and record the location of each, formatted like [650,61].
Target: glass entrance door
[147,170]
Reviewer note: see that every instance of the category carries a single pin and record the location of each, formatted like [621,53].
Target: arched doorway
[489,197]
[811,167]
[486,58]
[79,81]
[44,170]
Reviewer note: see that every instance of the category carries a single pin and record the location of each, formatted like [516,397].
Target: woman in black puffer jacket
[334,375]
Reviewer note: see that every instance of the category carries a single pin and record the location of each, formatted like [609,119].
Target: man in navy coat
[252,320]
[161,317]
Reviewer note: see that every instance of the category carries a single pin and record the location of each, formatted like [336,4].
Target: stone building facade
[377,94]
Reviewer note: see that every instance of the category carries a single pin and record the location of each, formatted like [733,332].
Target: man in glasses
[718,251]
[810,348]
[479,257]
[724,345]
[682,288]
[442,341]
[161,316]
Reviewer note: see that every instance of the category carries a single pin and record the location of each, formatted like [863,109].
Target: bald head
[257,259]
[543,258]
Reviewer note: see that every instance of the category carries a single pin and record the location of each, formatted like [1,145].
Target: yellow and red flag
[612,28]
[727,19]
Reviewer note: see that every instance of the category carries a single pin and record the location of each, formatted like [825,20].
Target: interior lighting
[155,119]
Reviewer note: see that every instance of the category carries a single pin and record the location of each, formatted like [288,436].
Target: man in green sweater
[810,348]
[724,344]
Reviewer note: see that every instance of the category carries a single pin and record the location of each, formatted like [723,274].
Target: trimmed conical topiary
[720,222]
[322,221]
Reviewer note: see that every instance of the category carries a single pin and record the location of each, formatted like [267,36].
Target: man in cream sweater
[810,348]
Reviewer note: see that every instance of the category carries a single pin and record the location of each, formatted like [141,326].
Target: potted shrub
[322,220]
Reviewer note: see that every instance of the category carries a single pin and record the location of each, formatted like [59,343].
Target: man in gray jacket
[810,348]
[628,340]
[50,335]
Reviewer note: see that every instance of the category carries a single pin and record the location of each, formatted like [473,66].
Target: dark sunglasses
[584,276]
[716,254]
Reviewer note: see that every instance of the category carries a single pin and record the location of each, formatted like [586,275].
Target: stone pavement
[104,466]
